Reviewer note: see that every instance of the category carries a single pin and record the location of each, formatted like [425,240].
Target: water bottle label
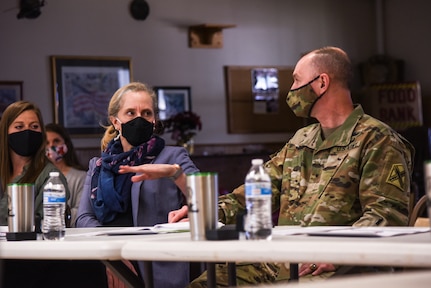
[53,198]
[258,189]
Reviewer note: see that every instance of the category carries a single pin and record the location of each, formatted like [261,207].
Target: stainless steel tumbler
[20,207]
[202,188]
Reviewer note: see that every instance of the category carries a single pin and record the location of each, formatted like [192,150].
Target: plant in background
[183,126]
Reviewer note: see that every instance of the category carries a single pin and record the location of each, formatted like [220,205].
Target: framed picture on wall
[82,88]
[10,91]
[172,100]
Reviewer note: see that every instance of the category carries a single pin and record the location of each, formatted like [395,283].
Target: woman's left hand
[315,268]
[148,171]
[179,215]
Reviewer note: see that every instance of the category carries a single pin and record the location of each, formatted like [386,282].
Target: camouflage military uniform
[360,175]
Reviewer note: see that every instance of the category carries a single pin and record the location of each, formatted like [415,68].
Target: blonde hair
[116,103]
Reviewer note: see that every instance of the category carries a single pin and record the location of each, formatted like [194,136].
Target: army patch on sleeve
[397,176]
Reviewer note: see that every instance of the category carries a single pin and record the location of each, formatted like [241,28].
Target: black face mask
[25,143]
[137,131]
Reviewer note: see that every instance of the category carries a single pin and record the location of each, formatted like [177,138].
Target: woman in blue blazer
[110,198]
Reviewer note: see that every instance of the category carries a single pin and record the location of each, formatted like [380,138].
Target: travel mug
[202,200]
[20,207]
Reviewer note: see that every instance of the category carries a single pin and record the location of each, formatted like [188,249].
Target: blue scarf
[111,191]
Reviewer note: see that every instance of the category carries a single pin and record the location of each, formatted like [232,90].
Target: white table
[79,244]
[87,244]
[75,246]
[407,250]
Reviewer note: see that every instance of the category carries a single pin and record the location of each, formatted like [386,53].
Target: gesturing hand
[148,171]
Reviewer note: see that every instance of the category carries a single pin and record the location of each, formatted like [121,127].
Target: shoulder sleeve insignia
[397,176]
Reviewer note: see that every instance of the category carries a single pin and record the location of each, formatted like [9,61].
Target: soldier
[347,169]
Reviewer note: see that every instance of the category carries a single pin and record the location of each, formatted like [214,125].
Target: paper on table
[349,231]
[143,230]
[373,231]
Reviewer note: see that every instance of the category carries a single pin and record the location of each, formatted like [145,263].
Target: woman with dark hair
[61,152]
[23,160]
[22,154]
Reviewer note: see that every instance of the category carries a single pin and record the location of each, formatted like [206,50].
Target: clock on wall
[139,9]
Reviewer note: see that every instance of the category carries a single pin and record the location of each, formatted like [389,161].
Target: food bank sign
[397,104]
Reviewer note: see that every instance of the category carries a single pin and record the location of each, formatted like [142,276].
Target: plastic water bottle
[258,223]
[54,204]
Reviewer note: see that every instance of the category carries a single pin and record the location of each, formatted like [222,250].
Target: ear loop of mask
[119,131]
[317,77]
[315,101]
[318,98]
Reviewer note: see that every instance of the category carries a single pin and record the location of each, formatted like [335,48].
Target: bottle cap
[256,162]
